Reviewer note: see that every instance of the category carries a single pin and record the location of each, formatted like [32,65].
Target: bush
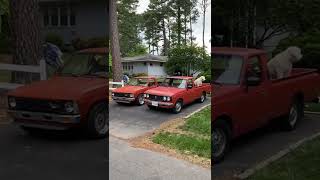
[5,44]
[54,39]
[79,43]
[139,74]
[310,45]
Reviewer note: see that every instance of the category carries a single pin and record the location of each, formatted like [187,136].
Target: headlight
[112,94]
[164,98]
[71,107]
[148,96]
[12,102]
[169,98]
[131,95]
[144,95]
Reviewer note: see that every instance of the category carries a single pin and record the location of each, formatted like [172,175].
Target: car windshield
[227,69]
[177,83]
[138,82]
[85,64]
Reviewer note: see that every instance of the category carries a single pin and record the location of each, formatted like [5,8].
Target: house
[147,64]
[72,19]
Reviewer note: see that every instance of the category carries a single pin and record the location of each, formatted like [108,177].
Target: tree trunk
[191,38]
[185,30]
[115,47]
[165,42]
[25,31]
[179,26]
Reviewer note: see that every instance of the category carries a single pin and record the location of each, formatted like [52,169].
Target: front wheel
[140,100]
[221,134]
[98,120]
[295,115]
[178,107]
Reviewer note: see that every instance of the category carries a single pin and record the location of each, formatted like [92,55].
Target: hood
[164,91]
[129,89]
[60,88]
[224,91]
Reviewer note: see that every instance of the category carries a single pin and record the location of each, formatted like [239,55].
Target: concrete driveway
[262,144]
[128,121]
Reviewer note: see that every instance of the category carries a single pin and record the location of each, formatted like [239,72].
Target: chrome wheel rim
[202,98]
[219,141]
[141,100]
[293,115]
[178,106]
[101,122]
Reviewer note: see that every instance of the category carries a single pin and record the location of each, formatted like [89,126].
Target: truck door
[255,99]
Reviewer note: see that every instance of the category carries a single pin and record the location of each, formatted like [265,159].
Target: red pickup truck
[245,98]
[74,98]
[133,92]
[175,92]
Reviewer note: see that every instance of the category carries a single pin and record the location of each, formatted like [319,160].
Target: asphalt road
[128,121]
[50,156]
[262,144]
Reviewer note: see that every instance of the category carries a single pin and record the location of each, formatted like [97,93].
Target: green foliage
[199,123]
[188,58]
[79,43]
[4,6]
[138,50]
[309,43]
[5,44]
[54,39]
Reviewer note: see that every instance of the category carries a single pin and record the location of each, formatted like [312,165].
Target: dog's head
[202,78]
[295,53]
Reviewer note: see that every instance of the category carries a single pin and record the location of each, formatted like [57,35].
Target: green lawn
[313,107]
[195,137]
[301,164]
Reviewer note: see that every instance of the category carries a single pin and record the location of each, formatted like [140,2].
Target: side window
[254,68]
[190,82]
[151,82]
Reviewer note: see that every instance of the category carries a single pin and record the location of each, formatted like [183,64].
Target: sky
[197,27]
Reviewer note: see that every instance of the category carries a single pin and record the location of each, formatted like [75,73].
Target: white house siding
[156,69]
[91,20]
[139,67]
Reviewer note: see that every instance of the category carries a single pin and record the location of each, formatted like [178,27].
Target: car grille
[121,95]
[36,105]
[155,98]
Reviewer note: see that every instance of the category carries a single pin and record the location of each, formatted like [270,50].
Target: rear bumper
[167,105]
[44,120]
[123,99]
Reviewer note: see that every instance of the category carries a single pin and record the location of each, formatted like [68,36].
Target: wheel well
[299,96]
[227,119]
[92,105]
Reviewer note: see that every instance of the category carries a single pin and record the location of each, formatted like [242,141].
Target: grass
[301,164]
[192,138]
[314,107]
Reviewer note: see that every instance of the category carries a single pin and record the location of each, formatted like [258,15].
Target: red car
[245,98]
[133,92]
[175,92]
[74,98]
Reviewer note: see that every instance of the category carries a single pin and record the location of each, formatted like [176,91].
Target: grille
[121,95]
[35,105]
[155,98]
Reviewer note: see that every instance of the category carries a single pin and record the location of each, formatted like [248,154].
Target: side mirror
[189,86]
[253,81]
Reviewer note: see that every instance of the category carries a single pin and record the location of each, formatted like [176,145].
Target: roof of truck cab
[237,51]
[101,50]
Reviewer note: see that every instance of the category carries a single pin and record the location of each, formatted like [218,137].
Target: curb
[311,112]
[249,172]
[198,110]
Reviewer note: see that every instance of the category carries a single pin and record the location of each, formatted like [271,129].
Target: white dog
[198,82]
[281,65]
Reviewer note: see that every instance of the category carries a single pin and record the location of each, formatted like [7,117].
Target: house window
[59,16]
[161,64]
[145,63]
[151,64]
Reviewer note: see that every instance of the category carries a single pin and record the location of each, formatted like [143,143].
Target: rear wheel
[220,140]
[178,107]
[203,97]
[98,120]
[294,116]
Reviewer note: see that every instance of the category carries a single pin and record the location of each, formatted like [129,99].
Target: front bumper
[161,104]
[123,99]
[44,120]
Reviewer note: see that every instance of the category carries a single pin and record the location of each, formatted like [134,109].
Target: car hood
[60,88]
[130,89]
[224,91]
[164,91]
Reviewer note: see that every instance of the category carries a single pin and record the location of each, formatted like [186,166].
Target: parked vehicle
[245,98]
[175,92]
[73,98]
[133,92]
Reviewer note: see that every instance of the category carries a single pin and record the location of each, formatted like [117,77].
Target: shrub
[5,44]
[54,39]
[79,43]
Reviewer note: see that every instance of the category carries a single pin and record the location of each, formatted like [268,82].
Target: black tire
[138,100]
[30,130]
[178,107]
[294,116]
[98,121]
[222,130]
[203,97]
[151,107]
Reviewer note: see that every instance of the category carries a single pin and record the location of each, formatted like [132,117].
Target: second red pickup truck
[175,92]
[245,98]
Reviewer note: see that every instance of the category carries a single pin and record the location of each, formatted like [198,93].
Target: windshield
[84,64]
[177,83]
[227,69]
[138,82]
